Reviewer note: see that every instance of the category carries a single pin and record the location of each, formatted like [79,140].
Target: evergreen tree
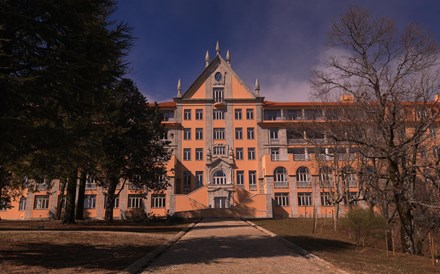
[57,60]
[132,145]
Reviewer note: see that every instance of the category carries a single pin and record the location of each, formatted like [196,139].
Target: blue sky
[276,41]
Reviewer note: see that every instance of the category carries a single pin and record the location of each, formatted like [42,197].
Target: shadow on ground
[52,256]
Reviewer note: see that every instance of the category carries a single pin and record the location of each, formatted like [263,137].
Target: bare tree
[392,76]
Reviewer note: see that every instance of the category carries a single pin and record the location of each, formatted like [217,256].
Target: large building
[233,153]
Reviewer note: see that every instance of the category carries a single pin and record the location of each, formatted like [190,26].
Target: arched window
[349,176]
[326,176]
[219,177]
[280,175]
[302,175]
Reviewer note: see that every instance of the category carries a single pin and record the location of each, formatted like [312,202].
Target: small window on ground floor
[158,200]
[135,201]
[282,199]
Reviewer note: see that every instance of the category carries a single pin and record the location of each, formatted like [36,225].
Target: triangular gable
[198,89]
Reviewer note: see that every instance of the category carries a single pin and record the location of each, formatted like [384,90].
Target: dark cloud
[278,41]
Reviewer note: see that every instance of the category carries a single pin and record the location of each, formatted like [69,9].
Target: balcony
[90,186]
[324,157]
[296,141]
[352,183]
[301,157]
[279,158]
[281,184]
[303,183]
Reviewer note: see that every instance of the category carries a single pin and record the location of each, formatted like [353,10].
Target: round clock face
[218,76]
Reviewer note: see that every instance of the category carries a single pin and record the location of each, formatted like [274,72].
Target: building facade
[233,152]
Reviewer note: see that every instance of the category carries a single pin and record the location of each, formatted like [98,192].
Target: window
[186,114]
[250,133]
[199,153]
[218,95]
[187,154]
[275,154]
[251,153]
[116,205]
[349,177]
[432,132]
[325,199]
[249,114]
[436,151]
[219,177]
[4,205]
[41,202]
[326,177]
[199,178]
[303,176]
[353,198]
[219,114]
[238,114]
[273,133]
[199,133]
[282,199]
[239,153]
[304,199]
[238,133]
[187,134]
[219,150]
[240,177]
[135,201]
[252,178]
[187,180]
[199,114]
[158,200]
[22,204]
[219,133]
[280,175]
[89,201]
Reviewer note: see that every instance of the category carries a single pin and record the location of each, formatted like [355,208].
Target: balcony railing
[297,141]
[281,184]
[303,184]
[90,185]
[324,157]
[301,157]
[278,158]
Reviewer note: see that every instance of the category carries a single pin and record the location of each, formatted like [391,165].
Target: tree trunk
[69,212]
[81,194]
[110,200]
[407,229]
[60,203]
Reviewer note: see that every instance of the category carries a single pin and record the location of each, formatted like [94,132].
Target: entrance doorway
[220,202]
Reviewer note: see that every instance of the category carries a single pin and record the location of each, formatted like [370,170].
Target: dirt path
[232,246]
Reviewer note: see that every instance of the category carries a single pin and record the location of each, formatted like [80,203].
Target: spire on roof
[257,87]
[228,57]
[179,89]
[217,48]
[207,59]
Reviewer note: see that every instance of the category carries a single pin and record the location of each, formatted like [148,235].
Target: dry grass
[339,250]
[49,247]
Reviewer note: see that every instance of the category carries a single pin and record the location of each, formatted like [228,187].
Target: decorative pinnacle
[217,48]
[207,58]
[228,57]
[179,88]
[257,87]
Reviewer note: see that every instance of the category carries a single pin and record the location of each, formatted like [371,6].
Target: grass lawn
[93,246]
[337,248]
